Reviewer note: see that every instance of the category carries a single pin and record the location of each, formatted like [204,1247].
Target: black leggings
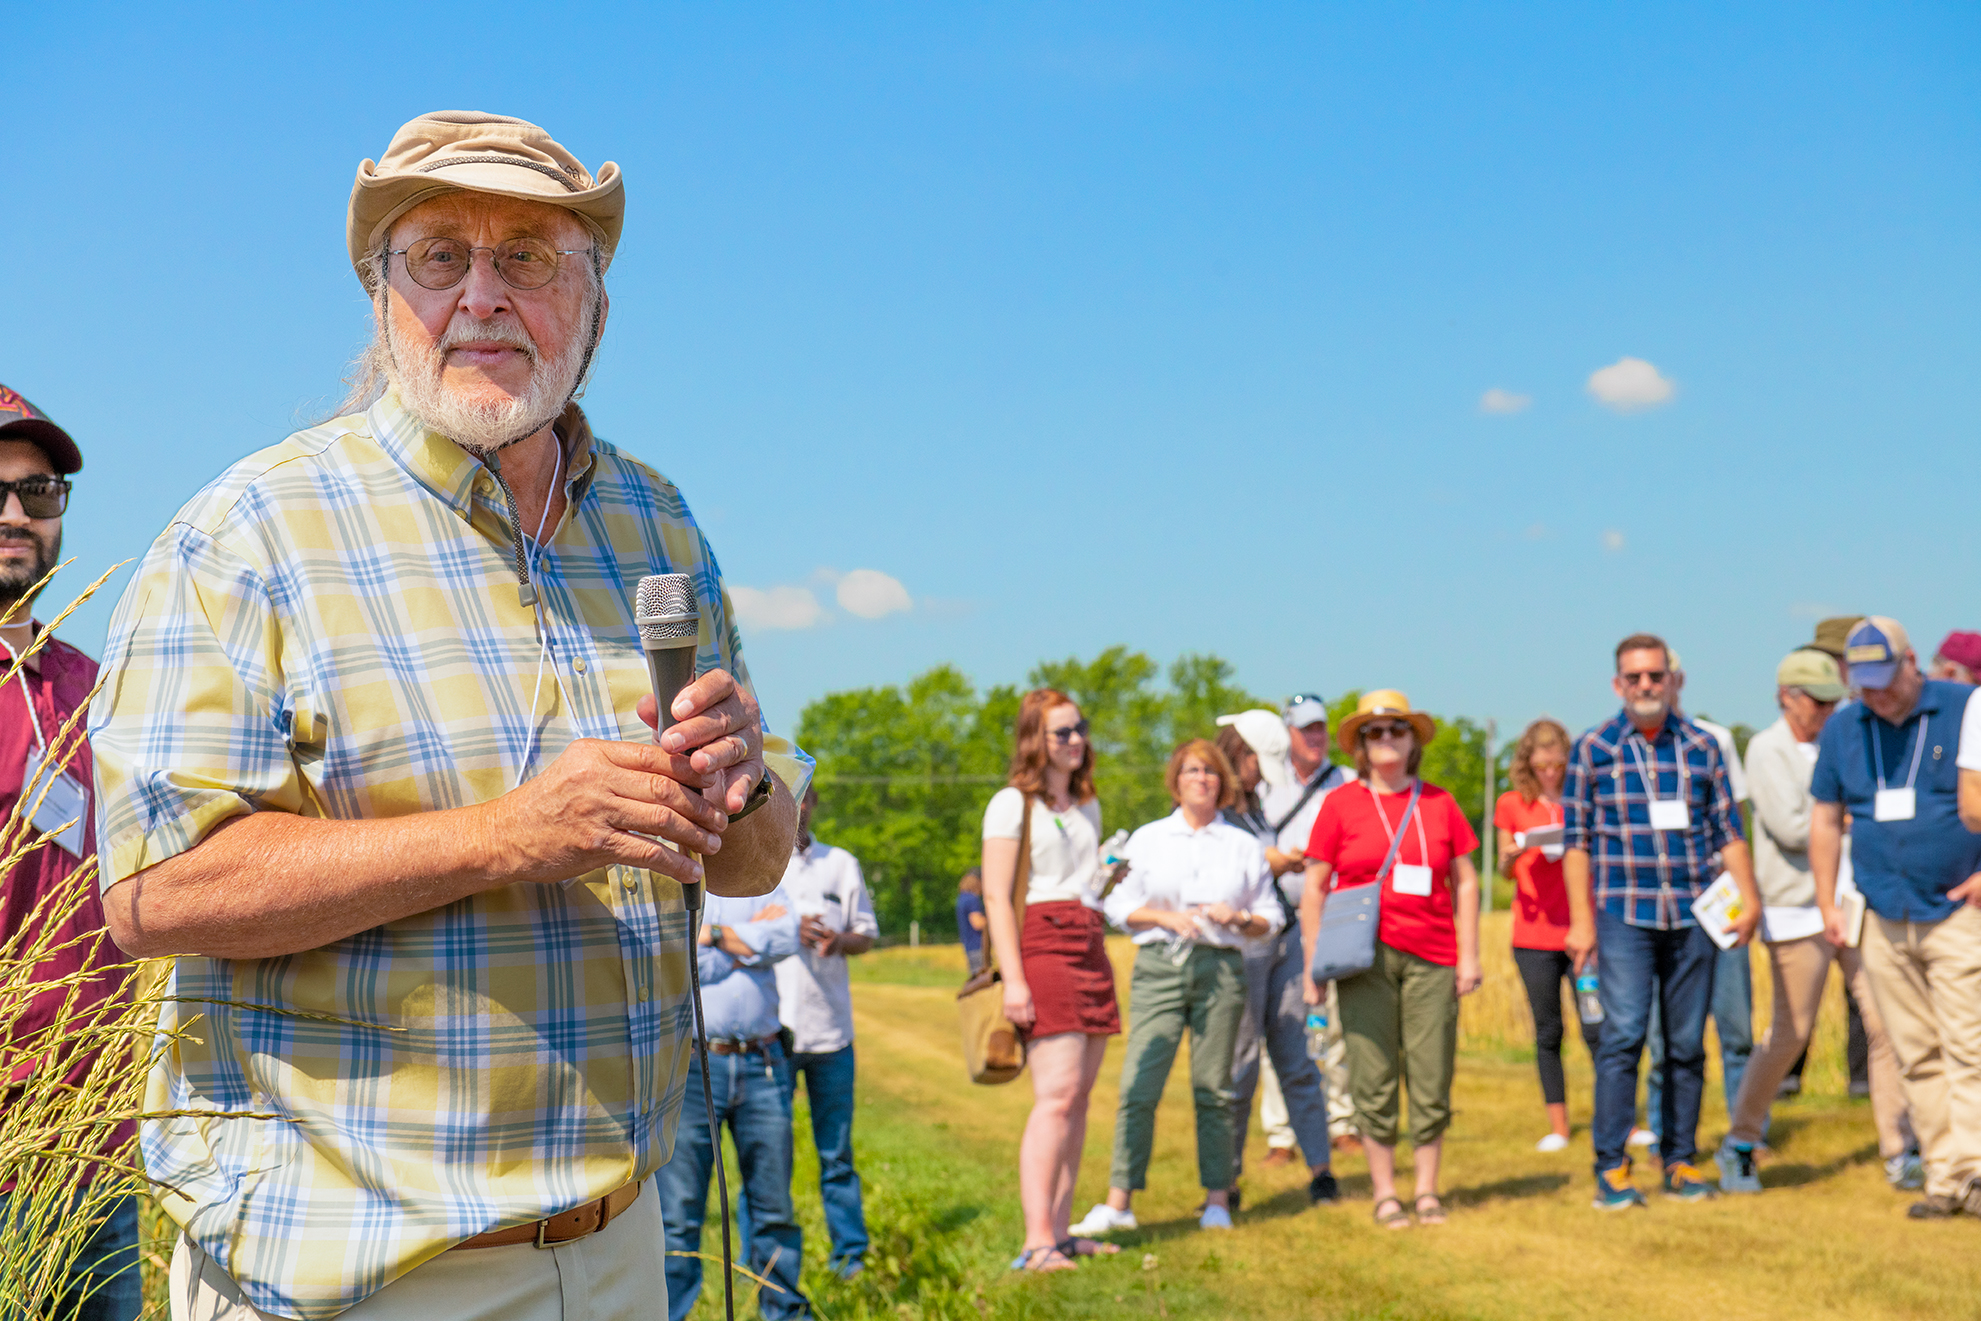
[1542,970]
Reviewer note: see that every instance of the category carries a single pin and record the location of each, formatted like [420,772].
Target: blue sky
[1164,325]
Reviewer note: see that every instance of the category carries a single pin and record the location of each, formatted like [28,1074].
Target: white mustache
[487,332]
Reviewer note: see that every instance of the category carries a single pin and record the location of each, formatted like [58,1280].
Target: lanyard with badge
[1666,813]
[1896,804]
[1407,878]
[61,805]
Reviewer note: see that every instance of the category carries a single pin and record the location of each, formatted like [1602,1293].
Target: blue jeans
[103,1283]
[753,1098]
[1640,965]
[829,1087]
[1733,1017]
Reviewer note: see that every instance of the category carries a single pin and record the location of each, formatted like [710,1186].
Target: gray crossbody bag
[1349,920]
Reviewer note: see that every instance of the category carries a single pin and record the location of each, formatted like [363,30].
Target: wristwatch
[715,935]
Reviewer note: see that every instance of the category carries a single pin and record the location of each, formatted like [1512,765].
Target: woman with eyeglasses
[1058,983]
[1196,888]
[1400,1017]
[1529,820]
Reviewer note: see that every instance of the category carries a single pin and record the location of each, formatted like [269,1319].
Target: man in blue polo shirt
[1889,761]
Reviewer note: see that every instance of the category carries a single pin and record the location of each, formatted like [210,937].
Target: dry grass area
[1828,1238]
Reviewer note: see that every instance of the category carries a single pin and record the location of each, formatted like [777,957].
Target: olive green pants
[1207,995]
[1400,1020]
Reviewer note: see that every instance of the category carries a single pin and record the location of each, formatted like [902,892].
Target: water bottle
[1317,1033]
[1588,996]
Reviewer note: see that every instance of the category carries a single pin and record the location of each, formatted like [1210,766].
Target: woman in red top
[1400,1018]
[1540,904]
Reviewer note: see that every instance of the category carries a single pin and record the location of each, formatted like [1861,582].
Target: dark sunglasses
[1633,677]
[41,497]
[1384,729]
[1065,733]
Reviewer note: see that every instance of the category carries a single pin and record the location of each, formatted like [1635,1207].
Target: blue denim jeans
[1733,1019]
[753,1100]
[103,1283]
[1639,966]
[828,1081]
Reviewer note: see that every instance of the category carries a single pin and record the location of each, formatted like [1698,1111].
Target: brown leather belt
[761,1046]
[574,1224]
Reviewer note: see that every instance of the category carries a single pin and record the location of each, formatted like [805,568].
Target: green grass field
[1828,1238]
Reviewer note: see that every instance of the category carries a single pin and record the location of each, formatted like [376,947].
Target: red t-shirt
[1350,839]
[1540,901]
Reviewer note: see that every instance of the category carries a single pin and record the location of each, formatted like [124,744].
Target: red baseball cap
[1963,648]
[21,420]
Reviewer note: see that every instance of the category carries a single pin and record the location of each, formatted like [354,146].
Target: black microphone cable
[691,897]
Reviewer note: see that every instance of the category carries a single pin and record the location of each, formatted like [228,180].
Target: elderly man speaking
[375,762]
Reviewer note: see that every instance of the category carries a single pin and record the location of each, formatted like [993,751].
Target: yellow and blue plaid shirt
[333,628]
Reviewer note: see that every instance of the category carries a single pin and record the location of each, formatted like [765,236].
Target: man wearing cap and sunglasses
[1890,760]
[37,458]
[377,763]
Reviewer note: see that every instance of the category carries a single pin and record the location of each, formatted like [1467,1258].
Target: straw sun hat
[482,153]
[1384,702]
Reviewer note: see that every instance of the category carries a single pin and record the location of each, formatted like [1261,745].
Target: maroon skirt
[1066,965]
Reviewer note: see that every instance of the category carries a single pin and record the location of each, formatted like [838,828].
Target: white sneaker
[1643,1137]
[1552,1142]
[1104,1219]
[1215,1217]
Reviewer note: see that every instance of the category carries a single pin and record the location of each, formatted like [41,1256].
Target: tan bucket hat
[1384,702]
[482,153]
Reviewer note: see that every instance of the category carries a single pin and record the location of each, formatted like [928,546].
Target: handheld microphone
[669,620]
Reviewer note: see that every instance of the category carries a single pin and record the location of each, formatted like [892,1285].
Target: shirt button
[643,995]
[579,665]
[631,884]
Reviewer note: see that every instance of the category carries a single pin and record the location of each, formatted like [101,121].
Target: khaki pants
[1400,1019]
[613,1275]
[1801,967]
[1927,980]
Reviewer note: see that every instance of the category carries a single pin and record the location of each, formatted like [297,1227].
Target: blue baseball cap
[1874,650]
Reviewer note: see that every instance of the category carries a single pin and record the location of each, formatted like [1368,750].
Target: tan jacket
[1778,776]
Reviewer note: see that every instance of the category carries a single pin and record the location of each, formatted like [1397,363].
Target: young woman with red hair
[1058,984]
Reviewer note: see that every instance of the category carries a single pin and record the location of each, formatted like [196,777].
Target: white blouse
[1172,867]
[1066,846]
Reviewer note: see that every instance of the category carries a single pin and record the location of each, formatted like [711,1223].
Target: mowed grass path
[1828,1239]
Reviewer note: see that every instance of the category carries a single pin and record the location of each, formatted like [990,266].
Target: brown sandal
[1397,1219]
[1435,1215]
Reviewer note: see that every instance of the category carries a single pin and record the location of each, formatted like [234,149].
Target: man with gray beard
[377,762]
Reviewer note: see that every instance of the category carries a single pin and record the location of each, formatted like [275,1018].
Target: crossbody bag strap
[1313,787]
[1021,878]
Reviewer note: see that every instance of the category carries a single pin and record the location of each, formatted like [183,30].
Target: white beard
[482,425]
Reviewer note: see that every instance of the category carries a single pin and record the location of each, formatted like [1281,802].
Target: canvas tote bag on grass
[1349,921]
[993,1047]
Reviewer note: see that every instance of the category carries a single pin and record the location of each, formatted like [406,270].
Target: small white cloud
[1612,540]
[1630,385]
[1503,402]
[871,594]
[776,607]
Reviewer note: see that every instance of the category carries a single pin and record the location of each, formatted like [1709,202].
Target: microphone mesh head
[664,607]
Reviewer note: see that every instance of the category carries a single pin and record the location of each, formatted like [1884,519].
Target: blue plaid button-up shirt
[1647,877]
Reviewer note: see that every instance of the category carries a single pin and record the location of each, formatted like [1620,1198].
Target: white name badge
[1553,852]
[1409,878]
[64,805]
[1894,805]
[1670,814]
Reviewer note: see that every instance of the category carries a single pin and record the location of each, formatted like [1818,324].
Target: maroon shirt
[62,686]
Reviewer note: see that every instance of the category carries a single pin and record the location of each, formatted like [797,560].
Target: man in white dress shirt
[815,1002]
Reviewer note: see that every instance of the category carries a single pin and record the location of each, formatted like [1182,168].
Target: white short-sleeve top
[1066,846]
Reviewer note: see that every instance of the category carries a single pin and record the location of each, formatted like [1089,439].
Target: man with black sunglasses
[36,705]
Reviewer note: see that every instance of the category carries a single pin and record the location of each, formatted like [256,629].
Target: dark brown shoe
[1278,1156]
[1933,1206]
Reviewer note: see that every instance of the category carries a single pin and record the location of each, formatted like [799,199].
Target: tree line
[904,771]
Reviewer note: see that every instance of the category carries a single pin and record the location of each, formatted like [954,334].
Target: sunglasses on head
[1066,733]
[41,497]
